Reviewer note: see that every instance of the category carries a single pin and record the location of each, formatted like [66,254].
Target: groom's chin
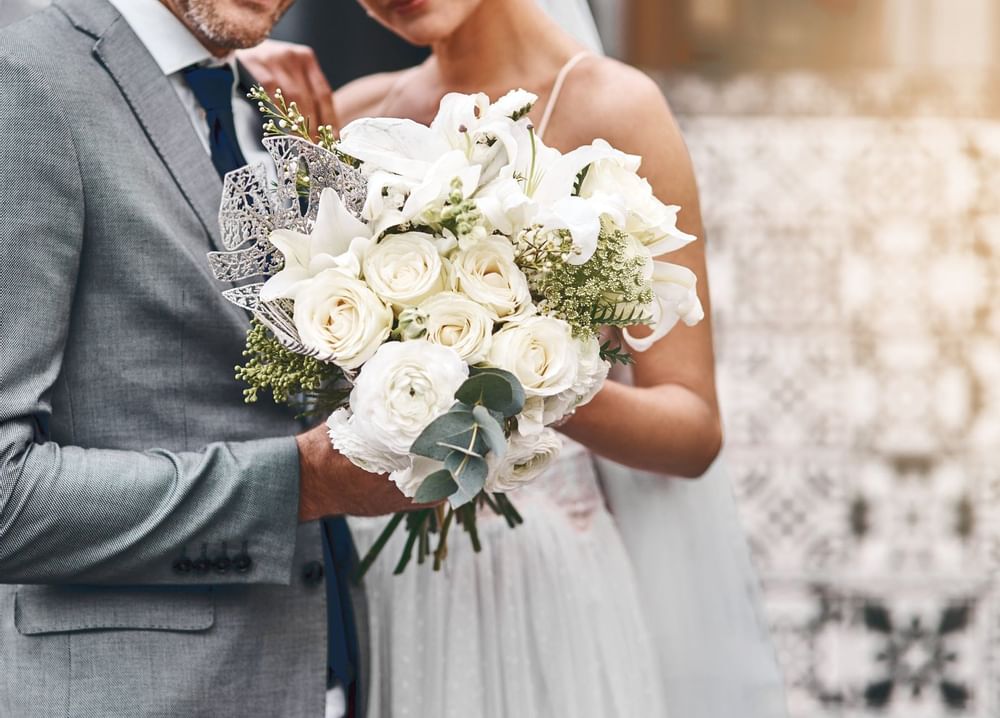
[231,24]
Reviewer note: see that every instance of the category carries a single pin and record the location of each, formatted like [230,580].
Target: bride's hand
[295,69]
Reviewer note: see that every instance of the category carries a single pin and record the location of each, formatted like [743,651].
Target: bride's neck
[503,43]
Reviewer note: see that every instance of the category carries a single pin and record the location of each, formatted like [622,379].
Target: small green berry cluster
[290,377]
[459,214]
[284,118]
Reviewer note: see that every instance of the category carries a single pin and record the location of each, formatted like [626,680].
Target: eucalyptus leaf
[496,390]
[491,431]
[449,427]
[469,472]
[437,486]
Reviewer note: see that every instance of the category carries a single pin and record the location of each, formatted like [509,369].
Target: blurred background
[848,153]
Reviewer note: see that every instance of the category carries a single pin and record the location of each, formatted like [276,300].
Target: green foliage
[436,487]
[290,377]
[615,354]
[464,436]
[609,289]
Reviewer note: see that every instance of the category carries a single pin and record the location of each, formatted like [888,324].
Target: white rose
[349,436]
[526,458]
[453,320]
[646,218]
[486,273]
[404,269]
[540,351]
[341,319]
[403,388]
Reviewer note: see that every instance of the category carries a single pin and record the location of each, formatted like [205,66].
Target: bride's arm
[668,421]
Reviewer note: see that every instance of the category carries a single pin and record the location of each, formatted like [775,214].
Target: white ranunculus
[526,458]
[410,479]
[453,320]
[404,269]
[675,298]
[593,371]
[646,218]
[350,438]
[403,388]
[341,319]
[541,352]
[485,272]
[337,241]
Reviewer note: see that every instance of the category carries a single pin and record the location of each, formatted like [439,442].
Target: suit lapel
[152,99]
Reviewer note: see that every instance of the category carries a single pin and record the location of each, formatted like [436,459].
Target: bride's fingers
[321,94]
[295,69]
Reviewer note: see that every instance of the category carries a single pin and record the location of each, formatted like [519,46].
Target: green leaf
[437,486]
[495,389]
[448,428]
[491,431]
[468,471]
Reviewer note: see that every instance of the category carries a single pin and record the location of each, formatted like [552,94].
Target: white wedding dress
[651,613]
[545,622]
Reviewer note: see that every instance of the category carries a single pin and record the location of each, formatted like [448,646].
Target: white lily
[675,298]
[338,241]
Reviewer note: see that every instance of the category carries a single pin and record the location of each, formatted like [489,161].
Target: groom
[160,553]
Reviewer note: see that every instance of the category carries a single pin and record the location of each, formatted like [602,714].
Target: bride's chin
[422,33]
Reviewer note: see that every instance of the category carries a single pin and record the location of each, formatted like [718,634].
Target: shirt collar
[168,40]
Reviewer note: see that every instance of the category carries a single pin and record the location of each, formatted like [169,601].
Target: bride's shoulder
[364,96]
[618,103]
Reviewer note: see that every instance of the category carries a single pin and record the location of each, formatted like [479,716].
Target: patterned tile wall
[854,234]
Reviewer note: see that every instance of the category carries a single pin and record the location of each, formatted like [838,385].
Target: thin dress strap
[557,87]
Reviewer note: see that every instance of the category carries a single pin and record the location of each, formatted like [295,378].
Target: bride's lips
[407,7]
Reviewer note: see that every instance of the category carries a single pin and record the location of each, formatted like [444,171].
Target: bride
[555,618]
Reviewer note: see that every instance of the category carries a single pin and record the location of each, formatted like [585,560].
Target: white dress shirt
[173,47]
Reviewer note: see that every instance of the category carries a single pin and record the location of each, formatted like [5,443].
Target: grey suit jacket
[130,469]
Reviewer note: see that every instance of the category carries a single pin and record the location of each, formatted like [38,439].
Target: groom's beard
[230,24]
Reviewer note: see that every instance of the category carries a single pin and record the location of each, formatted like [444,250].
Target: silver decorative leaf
[253,206]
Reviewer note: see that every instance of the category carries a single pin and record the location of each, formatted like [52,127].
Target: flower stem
[442,549]
[376,549]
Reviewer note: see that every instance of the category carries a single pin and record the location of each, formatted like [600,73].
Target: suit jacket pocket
[41,610]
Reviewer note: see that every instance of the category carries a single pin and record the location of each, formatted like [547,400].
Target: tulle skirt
[545,622]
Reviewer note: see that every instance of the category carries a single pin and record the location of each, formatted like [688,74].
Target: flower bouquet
[440,293]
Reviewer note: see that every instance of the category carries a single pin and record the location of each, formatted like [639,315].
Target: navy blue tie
[213,88]
[342,638]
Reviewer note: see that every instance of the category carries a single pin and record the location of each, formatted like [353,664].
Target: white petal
[284,284]
[581,218]
[513,101]
[335,226]
[397,145]
[294,246]
[560,177]
[676,298]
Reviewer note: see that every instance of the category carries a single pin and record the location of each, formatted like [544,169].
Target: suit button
[242,563]
[312,573]
[222,564]
[183,565]
[202,564]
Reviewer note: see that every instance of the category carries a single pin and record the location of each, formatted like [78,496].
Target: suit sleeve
[75,515]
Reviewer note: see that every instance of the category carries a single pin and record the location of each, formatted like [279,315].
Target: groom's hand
[330,484]
[295,69]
